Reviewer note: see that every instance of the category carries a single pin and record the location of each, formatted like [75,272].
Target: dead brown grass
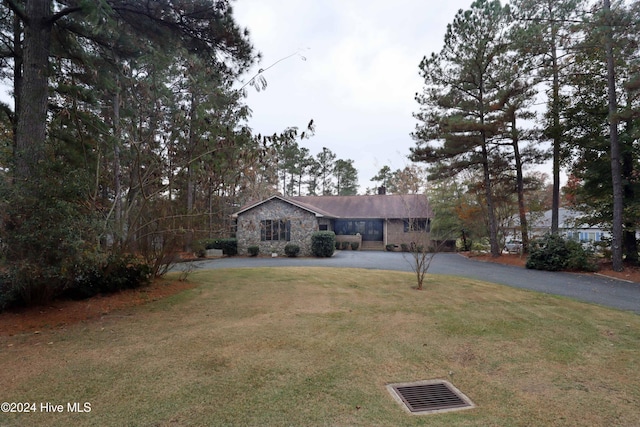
[317,347]
[63,313]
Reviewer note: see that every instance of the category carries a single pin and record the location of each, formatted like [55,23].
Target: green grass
[316,347]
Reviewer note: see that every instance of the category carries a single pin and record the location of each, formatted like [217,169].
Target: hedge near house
[323,243]
[292,250]
[228,246]
[253,250]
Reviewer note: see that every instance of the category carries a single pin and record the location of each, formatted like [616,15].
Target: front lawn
[313,346]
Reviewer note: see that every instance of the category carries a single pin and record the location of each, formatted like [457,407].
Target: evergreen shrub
[229,246]
[116,273]
[323,243]
[94,275]
[292,250]
[554,253]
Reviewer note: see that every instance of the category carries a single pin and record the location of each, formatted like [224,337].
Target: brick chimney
[382,190]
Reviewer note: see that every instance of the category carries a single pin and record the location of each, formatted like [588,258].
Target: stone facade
[373,221]
[302,225]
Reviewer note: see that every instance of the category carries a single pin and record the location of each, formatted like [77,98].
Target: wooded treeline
[128,135]
[128,132]
[514,76]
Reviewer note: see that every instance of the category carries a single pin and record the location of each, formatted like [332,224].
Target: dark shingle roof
[359,207]
[314,210]
[377,206]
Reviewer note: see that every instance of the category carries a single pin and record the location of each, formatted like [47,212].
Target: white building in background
[570,225]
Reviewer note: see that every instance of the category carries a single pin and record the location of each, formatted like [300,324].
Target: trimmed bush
[208,244]
[404,247]
[95,275]
[416,248]
[253,250]
[355,246]
[119,272]
[550,254]
[553,253]
[345,246]
[292,250]
[390,247]
[229,246]
[323,243]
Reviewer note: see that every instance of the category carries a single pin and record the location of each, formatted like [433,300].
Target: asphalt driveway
[589,288]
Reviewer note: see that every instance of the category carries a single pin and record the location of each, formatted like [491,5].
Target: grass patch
[312,346]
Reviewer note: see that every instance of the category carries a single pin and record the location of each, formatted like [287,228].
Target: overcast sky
[352,67]
[354,71]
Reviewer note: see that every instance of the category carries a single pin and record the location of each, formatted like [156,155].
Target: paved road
[583,287]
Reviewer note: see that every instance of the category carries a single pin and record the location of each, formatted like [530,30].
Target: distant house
[373,221]
[570,225]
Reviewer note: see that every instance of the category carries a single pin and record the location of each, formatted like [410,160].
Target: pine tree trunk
[191,186]
[17,73]
[493,229]
[616,176]
[117,178]
[33,92]
[556,135]
[630,241]
[524,228]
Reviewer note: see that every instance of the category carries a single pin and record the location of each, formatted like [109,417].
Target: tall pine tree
[458,123]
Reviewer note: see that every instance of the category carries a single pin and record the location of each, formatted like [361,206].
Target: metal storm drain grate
[428,397]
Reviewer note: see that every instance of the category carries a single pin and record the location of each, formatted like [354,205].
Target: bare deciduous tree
[418,227]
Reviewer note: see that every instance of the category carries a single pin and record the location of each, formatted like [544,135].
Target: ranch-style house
[374,221]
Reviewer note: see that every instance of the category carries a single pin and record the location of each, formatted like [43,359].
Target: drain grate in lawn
[428,397]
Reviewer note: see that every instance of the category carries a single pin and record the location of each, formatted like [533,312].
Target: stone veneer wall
[303,225]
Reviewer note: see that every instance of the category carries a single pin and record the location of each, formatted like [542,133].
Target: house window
[574,235]
[370,229]
[275,230]
[350,227]
[417,224]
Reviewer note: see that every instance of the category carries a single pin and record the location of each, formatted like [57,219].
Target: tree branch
[63,13]
[15,7]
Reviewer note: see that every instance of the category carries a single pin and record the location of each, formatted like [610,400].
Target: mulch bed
[61,313]
[630,273]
